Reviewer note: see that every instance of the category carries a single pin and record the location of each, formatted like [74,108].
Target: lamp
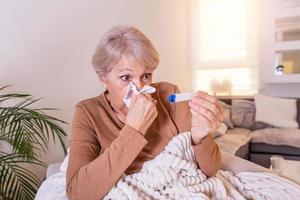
[221,86]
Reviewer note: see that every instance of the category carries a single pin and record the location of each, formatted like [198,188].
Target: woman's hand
[142,112]
[207,115]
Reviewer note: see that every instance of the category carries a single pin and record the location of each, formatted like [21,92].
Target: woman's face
[121,74]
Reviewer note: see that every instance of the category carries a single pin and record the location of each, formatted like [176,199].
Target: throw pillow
[227,114]
[278,112]
[243,115]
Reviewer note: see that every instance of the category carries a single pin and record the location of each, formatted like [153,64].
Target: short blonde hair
[124,40]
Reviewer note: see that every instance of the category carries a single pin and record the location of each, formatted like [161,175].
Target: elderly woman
[109,139]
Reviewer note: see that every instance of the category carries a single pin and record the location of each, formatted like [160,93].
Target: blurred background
[225,47]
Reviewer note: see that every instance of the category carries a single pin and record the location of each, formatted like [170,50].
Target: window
[224,46]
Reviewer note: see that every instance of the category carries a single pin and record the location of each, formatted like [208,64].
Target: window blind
[223,46]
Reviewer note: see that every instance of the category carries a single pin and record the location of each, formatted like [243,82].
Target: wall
[46,47]
[266,35]
[282,90]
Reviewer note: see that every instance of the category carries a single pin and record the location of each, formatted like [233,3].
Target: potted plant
[26,131]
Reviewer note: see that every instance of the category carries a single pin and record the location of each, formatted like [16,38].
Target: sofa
[254,135]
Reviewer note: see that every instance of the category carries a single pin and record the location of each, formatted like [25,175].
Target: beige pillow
[227,114]
[278,112]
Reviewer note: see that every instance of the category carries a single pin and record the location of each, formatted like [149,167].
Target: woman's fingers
[207,115]
[203,111]
[149,98]
[204,96]
[142,113]
[205,106]
[202,118]
[210,122]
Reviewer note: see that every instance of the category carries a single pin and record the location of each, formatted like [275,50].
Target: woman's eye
[125,77]
[147,76]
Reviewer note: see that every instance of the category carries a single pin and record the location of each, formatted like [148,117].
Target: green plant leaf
[28,131]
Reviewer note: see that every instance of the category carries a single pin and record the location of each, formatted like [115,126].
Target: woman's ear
[102,79]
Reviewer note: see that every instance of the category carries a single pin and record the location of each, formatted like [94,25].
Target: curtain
[223,46]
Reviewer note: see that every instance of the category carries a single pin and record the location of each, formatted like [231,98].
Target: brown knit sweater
[102,148]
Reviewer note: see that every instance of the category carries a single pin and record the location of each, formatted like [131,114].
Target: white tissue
[133,90]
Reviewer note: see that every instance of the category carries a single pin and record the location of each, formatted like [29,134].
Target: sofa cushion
[243,151]
[277,136]
[298,112]
[277,112]
[237,165]
[232,143]
[243,115]
[264,159]
[274,149]
[239,131]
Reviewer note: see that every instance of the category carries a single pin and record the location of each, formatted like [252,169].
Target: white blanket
[173,174]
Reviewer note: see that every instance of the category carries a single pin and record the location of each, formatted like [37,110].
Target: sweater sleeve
[208,156]
[207,153]
[91,175]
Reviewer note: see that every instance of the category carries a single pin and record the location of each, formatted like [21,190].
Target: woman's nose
[139,85]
